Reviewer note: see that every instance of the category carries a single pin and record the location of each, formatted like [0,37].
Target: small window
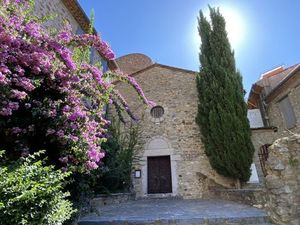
[263,155]
[92,55]
[157,112]
[287,112]
[79,30]
[104,65]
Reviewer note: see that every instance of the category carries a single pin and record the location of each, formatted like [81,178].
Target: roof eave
[159,65]
[254,95]
[276,91]
[84,22]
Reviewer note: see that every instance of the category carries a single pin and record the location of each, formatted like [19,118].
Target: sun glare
[235,26]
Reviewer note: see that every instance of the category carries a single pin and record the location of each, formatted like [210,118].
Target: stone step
[177,212]
[261,224]
[253,186]
[115,198]
[160,196]
[236,221]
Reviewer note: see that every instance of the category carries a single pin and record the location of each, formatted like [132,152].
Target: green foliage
[222,112]
[31,193]
[120,153]
[293,162]
[83,54]
[114,174]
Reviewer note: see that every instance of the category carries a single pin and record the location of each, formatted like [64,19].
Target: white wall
[255,119]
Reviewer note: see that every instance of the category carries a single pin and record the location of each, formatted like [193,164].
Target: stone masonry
[283,181]
[57,9]
[276,118]
[266,95]
[133,62]
[260,137]
[175,134]
[61,14]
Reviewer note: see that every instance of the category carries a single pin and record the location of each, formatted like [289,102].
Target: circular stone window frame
[156,120]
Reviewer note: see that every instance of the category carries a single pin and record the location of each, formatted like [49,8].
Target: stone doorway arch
[155,147]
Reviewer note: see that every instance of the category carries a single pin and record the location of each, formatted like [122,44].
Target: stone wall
[260,137]
[112,199]
[61,16]
[283,181]
[134,62]
[175,90]
[254,197]
[275,116]
[57,9]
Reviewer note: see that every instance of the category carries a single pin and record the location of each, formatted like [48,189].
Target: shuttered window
[288,113]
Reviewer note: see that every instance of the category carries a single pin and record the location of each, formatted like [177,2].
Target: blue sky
[265,33]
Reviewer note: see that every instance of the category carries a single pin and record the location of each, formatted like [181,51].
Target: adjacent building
[68,11]
[274,109]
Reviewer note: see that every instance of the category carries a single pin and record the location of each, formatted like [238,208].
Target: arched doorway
[160,167]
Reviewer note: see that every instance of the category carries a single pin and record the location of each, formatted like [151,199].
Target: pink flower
[50,131]
[73,138]
[19,70]
[77,114]
[36,70]
[5,112]
[64,36]
[94,155]
[5,70]
[18,94]
[73,126]
[2,79]
[66,108]
[33,29]
[16,130]
[63,159]
[25,83]
[91,165]
[13,105]
[151,103]
[60,133]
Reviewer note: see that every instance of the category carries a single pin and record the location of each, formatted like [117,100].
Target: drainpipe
[263,109]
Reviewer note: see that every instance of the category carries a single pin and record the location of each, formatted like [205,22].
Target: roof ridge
[284,80]
[163,66]
[160,65]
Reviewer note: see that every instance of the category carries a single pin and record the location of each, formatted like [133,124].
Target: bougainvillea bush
[47,100]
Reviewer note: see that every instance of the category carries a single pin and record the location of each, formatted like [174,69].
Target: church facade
[171,158]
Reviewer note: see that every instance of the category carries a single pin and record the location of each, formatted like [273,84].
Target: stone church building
[171,156]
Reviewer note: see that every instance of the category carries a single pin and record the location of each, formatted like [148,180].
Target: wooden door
[159,175]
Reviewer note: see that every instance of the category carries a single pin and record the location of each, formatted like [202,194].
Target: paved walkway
[175,211]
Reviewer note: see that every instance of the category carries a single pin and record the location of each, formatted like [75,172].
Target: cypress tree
[222,111]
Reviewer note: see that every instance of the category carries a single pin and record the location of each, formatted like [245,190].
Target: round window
[157,112]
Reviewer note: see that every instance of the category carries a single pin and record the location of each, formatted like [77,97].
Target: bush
[120,153]
[51,98]
[31,193]
[114,172]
